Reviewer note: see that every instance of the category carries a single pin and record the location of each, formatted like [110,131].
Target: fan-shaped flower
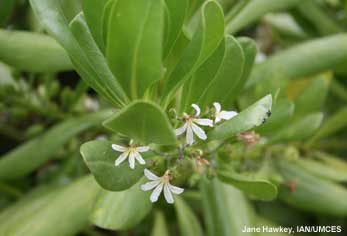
[222,115]
[133,152]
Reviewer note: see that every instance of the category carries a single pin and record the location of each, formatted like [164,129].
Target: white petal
[142,148]
[150,185]
[217,119]
[168,195]
[118,148]
[150,175]
[132,160]
[199,132]
[197,109]
[217,107]
[175,190]
[181,130]
[204,122]
[121,158]
[227,115]
[189,135]
[139,158]
[156,193]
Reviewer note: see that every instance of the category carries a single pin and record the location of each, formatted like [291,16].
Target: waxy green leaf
[134,45]
[56,212]
[121,210]
[216,79]
[17,163]
[51,15]
[311,193]
[298,130]
[205,41]
[93,11]
[143,121]
[188,222]
[32,52]
[250,11]
[160,226]
[282,111]
[256,188]
[248,119]
[100,158]
[307,58]
[176,12]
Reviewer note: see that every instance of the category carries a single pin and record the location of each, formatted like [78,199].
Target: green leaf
[205,41]
[134,45]
[143,121]
[216,79]
[160,227]
[332,125]
[176,12]
[50,13]
[312,98]
[121,210]
[93,11]
[226,210]
[249,49]
[255,188]
[106,18]
[253,10]
[100,158]
[188,222]
[282,111]
[248,119]
[307,58]
[299,130]
[62,211]
[32,154]
[82,34]
[312,193]
[32,52]
[322,170]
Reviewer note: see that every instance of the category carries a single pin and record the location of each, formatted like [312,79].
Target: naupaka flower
[132,151]
[191,126]
[158,184]
[222,115]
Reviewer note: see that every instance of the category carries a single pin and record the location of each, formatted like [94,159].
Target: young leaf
[253,10]
[62,211]
[282,111]
[255,188]
[34,153]
[188,222]
[300,129]
[100,157]
[134,45]
[143,121]
[312,193]
[160,227]
[176,12]
[216,79]
[93,11]
[51,15]
[32,52]
[121,210]
[248,119]
[205,41]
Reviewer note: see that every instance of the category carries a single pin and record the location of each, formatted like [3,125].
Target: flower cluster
[191,127]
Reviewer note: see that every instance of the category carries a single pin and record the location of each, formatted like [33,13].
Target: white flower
[160,183]
[132,151]
[222,115]
[190,126]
